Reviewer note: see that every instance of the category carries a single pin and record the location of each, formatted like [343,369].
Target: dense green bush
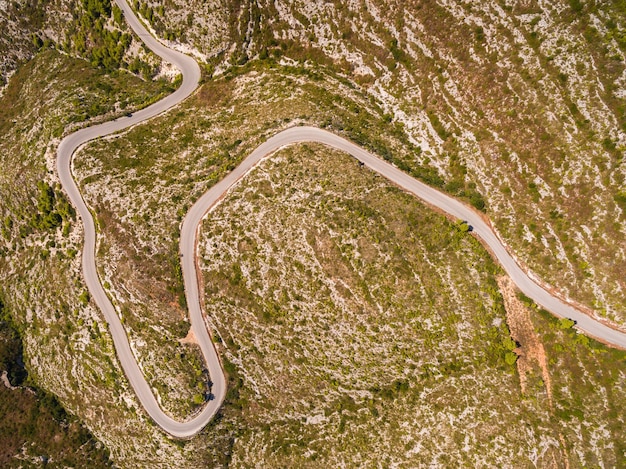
[52,209]
[87,35]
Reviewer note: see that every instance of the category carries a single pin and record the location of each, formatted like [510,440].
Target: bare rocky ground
[532,355]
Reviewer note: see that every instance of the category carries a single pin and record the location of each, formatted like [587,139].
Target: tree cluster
[52,208]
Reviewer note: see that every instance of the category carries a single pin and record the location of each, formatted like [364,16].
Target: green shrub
[510,358]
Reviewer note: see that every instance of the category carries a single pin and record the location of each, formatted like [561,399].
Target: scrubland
[356,326]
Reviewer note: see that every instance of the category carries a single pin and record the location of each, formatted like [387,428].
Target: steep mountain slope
[93,29]
[303,276]
[19,22]
[335,345]
[520,105]
[67,350]
[35,429]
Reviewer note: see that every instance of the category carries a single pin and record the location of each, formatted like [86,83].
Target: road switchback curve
[191,225]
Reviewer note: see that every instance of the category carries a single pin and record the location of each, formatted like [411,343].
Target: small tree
[509,344]
[566,323]
[84,298]
[463,226]
[510,358]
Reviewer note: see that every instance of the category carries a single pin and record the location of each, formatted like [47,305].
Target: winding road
[191,226]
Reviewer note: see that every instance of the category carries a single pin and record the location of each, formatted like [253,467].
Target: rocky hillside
[66,348]
[520,106]
[353,329]
[341,307]
[92,29]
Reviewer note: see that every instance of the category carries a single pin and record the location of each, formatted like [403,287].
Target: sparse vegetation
[166,174]
[497,97]
[66,346]
[566,323]
[319,325]
[35,430]
[347,320]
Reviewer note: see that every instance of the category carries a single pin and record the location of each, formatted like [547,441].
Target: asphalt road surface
[191,224]
[67,147]
[429,195]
